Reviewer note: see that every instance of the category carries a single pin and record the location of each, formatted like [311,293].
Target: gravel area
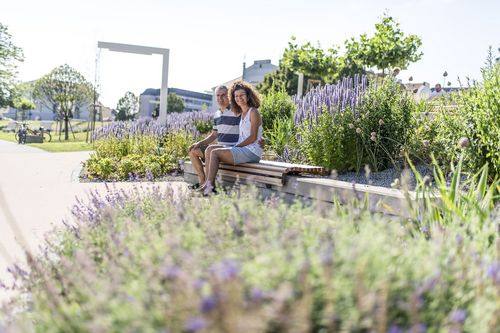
[384,178]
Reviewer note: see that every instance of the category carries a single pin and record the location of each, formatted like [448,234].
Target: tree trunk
[66,132]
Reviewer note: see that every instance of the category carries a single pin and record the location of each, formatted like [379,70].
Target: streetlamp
[137,49]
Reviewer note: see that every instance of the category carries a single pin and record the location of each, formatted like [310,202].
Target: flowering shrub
[159,262]
[475,119]
[349,125]
[142,149]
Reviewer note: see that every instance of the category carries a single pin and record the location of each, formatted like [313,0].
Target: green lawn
[58,144]
[73,144]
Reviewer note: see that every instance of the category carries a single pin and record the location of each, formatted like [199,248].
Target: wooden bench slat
[259,171]
[256,178]
[259,166]
[286,167]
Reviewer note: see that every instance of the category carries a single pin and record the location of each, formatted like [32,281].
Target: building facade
[193,101]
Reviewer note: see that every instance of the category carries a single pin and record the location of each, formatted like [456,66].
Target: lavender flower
[195,324]
[227,270]
[207,304]
[493,271]
[458,316]
[394,329]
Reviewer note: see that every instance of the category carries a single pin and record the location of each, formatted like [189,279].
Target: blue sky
[209,40]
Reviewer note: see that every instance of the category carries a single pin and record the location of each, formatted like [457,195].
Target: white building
[254,74]
[193,101]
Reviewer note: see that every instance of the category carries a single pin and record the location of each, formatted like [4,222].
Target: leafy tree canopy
[174,103]
[22,103]
[387,48]
[314,62]
[10,56]
[64,88]
[128,106]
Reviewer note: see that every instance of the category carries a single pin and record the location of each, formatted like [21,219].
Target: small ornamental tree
[65,88]
[23,104]
[387,48]
[128,106]
[312,61]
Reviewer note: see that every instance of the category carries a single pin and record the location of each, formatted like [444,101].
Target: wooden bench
[268,173]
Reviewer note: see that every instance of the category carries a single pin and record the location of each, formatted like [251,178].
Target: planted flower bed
[155,262]
[143,149]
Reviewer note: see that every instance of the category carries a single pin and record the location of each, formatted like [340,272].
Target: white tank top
[245,133]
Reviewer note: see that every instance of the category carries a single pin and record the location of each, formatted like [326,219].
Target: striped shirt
[227,125]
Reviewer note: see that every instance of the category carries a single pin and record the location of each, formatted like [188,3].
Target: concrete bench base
[320,190]
[34,139]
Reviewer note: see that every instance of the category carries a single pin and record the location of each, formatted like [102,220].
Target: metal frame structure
[137,49]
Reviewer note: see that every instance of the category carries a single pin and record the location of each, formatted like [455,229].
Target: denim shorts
[244,155]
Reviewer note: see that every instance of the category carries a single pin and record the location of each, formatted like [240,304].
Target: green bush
[136,262]
[138,156]
[275,106]
[281,136]
[331,143]
[476,118]
[377,134]
[203,126]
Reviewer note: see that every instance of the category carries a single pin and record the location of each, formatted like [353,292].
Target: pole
[164,90]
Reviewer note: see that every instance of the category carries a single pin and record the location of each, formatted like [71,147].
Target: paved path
[39,188]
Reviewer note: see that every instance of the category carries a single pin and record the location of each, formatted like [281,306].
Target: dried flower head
[381,122]
[351,126]
[427,180]
[463,142]
[358,130]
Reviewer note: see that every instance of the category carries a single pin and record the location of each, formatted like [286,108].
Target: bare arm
[255,121]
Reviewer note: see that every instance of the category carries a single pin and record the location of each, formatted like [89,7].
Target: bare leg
[208,154]
[217,156]
[195,155]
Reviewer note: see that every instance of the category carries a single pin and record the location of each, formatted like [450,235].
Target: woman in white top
[244,100]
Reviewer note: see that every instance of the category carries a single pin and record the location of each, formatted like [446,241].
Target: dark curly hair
[252,94]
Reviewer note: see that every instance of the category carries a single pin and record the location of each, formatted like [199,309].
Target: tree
[23,104]
[10,56]
[388,48]
[312,61]
[66,89]
[174,103]
[127,107]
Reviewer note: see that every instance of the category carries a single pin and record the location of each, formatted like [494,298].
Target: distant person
[394,74]
[438,91]
[245,101]
[424,92]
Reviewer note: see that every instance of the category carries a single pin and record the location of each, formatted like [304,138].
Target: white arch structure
[128,48]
